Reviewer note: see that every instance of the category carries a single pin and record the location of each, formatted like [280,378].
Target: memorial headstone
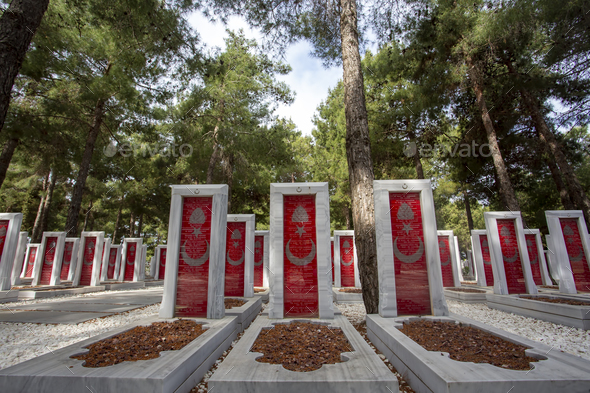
[142,262]
[482,257]
[48,263]
[458,259]
[114,262]
[332,256]
[537,257]
[261,251]
[104,258]
[160,271]
[131,259]
[19,258]
[472,276]
[10,224]
[300,284]
[448,259]
[345,260]
[510,259]
[569,237]
[408,258]
[89,259]
[68,265]
[239,248]
[195,258]
[551,260]
[30,257]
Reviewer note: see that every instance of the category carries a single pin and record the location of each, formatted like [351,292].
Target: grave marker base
[245,313]
[262,295]
[47,292]
[466,297]
[174,371]
[122,285]
[363,371]
[343,297]
[8,296]
[428,371]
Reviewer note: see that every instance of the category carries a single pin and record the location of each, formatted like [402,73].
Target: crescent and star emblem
[567,231]
[443,246]
[485,246]
[88,251]
[300,216]
[506,232]
[236,235]
[405,213]
[258,251]
[531,248]
[346,246]
[197,217]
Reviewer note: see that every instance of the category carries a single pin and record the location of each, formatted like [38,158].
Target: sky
[309,79]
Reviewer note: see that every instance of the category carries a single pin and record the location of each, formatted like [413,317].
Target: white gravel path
[24,341]
[565,338]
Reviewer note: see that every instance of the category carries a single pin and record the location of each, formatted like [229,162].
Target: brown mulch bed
[141,343]
[468,290]
[258,290]
[558,301]
[351,290]
[301,346]
[230,303]
[467,344]
[469,283]
[549,286]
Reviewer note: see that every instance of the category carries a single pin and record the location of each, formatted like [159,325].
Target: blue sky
[309,79]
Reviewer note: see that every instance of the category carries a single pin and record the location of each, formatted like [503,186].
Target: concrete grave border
[58,258]
[265,256]
[500,283]
[566,276]
[215,305]
[9,251]
[385,259]
[250,220]
[137,263]
[17,267]
[545,278]
[337,259]
[428,371]
[276,254]
[361,371]
[455,264]
[174,371]
[246,313]
[96,262]
[467,297]
[44,292]
[343,297]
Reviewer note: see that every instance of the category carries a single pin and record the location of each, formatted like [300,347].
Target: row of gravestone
[512,258]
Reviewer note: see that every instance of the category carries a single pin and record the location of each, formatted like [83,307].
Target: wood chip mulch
[468,290]
[558,301]
[467,344]
[259,290]
[141,343]
[230,303]
[351,290]
[301,346]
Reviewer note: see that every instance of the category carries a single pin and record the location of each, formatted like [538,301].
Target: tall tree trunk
[18,25]
[118,221]
[216,148]
[48,199]
[573,184]
[78,191]
[467,209]
[6,157]
[87,217]
[37,228]
[140,225]
[564,194]
[132,225]
[358,153]
[505,185]
[417,161]
[228,168]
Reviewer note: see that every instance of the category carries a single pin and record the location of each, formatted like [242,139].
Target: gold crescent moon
[408,258]
[194,261]
[300,261]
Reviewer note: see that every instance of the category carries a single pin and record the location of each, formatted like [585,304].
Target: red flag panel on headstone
[258,261]
[346,261]
[87,260]
[162,267]
[193,263]
[531,246]
[332,258]
[511,257]
[235,255]
[112,262]
[300,257]
[487,259]
[3,234]
[575,252]
[48,260]
[446,264]
[132,253]
[31,261]
[411,271]
[67,261]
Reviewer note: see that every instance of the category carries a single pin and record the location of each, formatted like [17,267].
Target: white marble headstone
[382,189]
[19,257]
[265,256]
[546,279]
[96,261]
[158,261]
[278,248]
[455,264]
[117,271]
[9,236]
[215,279]
[105,259]
[127,243]
[551,259]
[250,220]
[563,260]
[74,260]
[30,259]
[338,259]
[57,249]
